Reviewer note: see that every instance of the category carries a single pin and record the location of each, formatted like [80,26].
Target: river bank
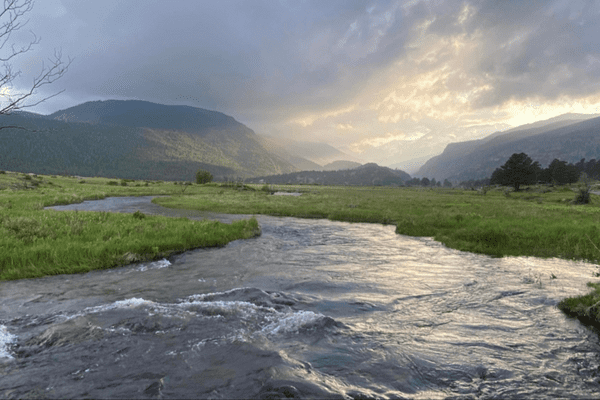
[309,309]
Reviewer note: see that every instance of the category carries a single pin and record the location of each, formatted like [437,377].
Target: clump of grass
[139,215]
[585,308]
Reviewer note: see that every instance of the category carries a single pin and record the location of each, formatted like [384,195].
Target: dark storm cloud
[274,60]
[228,55]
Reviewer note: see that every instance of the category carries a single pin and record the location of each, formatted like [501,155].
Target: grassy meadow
[35,242]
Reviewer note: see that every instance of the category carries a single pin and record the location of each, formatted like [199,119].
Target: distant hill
[569,137]
[134,139]
[340,165]
[364,175]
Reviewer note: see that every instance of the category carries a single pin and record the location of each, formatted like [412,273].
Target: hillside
[341,164]
[136,140]
[569,137]
[364,175]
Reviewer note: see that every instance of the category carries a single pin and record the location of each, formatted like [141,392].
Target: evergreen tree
[518,170]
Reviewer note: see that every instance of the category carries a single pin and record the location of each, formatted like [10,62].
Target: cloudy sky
[384,81]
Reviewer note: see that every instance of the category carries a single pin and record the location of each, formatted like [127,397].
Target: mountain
[134,139]
[341,164]
[365,175]
[568,137]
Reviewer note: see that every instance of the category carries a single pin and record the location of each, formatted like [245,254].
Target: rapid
[310,309]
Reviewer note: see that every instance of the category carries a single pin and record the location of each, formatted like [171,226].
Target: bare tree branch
[10,21]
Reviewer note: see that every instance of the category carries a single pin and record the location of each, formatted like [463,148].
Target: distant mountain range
[364,175]
[134,139]
[569,137]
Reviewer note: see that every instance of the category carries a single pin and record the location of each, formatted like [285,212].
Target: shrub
[203,177]
[112,183]
[583,197]
[584,192]
[139,215]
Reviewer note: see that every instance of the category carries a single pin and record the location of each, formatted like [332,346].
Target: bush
[203,177]
[584,191]
[112,183]
[583,197]
[139,215]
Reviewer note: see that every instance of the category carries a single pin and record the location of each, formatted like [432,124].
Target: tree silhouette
[562,173]
[518,170]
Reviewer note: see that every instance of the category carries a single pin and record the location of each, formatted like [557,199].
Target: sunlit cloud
[343,127]
[308,120]
[362,145]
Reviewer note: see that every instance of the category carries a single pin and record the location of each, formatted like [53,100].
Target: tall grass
[36,242]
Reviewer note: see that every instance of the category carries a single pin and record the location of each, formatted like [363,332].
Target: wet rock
[282,392]
[155,388]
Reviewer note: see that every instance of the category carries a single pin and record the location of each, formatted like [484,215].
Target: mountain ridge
[542,141]
[369,174]
[140,140]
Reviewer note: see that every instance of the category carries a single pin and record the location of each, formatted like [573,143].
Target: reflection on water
[312,308]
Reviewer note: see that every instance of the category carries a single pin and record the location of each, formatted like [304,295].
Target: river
[310,309]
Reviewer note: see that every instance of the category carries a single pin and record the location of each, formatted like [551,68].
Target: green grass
[36,242]
[585,308]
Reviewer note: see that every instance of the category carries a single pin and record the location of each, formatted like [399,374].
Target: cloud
[375,142]
[344,127]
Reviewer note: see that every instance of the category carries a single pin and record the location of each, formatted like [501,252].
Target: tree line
[426,182]
[520,169]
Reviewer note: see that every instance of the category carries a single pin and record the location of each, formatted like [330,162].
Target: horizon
[384,82]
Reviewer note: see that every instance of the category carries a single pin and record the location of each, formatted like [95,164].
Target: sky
[383,81]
